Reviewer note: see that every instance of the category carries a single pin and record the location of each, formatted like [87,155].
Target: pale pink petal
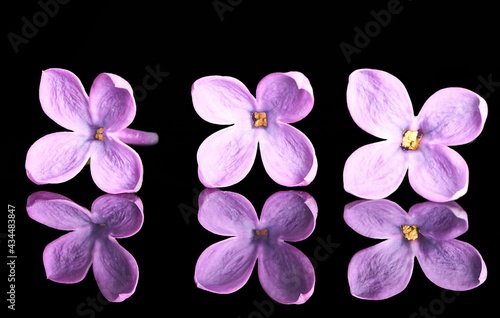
[381,271]
[286,274]
[57,157]
[225,266]
[379,103]
[136,137]
[115,167]
[452,116]
[222,100]
[226,156]
[288,155]
[115,269]
[286,97]
[112,103]
[64,100]
[438,173]
[375,171]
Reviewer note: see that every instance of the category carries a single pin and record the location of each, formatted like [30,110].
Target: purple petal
[381,271]
[116,167]
[68,258]
[57,211]
[289,215]
[115,269]
[379,103]
[438,173]
[64,100]
[226,156]
[288,97]
[286,274]
[136,137]
[112,104]
[379,219]
[222,100]
[375,171]
[226,266]
[451,264]
[288,155]
[226,213]
[452,116]
[121,214]
[439,220]
[57,157]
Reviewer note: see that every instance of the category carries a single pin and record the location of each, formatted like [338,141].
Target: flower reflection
[91,240]
[285,273]
[428,232]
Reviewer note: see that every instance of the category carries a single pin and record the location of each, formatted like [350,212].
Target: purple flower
[263,122]
[285,273]
[97,124]
[91,240]
[428,232]
[380,105]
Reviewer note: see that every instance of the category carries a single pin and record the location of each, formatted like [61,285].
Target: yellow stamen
[411,139]
[410,232]
[102,224]
[262,232]
[98,135]
[259,119]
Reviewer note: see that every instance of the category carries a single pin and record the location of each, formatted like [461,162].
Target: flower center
[259,119]
[411,139]
[410,232]
[98,134]
[102,224]
[261,233]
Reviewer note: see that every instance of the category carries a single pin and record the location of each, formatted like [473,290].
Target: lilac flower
[263,122]
[428,232]
[285,273]
[91,240]
[380,105]
[98,132]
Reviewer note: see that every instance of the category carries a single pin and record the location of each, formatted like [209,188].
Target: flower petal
[286,274]
[288,155]
[452,116]
[379,219]
[438,173]
[57,157]
[64,100]
[381,271]
[439,220]
[226,266]
[375,171]
[222,100]
[136,137]
[289,215]
[451,264]
[112,103]
[379,103]
[288,97]
[57,211]
[115,269]
[226,156]
[116,167]
[68,258]
[226,213]
[121,213]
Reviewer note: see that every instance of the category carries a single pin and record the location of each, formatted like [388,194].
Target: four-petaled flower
[427,232]
[98,124]
[285,273]
[91,240]
[379,104]
[261,122]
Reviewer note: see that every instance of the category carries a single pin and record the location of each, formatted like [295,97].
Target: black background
[426,45]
